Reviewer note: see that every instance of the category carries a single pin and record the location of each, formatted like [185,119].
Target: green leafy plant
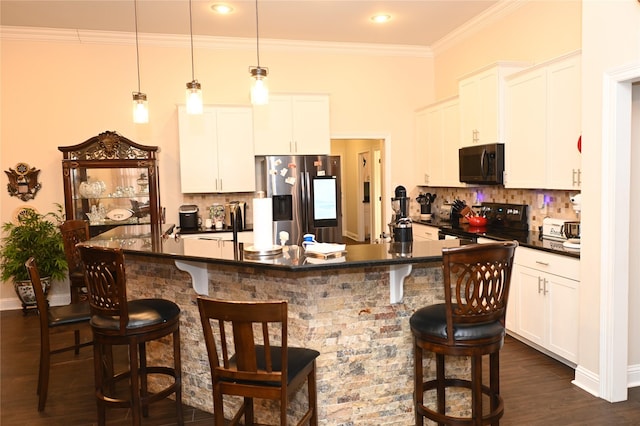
[34,235]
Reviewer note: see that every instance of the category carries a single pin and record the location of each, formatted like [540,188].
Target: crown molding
[77,36]
[488,17]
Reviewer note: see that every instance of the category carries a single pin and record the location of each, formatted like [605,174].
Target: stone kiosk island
[353,309]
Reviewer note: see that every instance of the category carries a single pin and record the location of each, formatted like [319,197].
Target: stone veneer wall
[558,204]
[365,370]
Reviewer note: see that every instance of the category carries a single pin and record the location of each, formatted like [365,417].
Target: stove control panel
[513,216]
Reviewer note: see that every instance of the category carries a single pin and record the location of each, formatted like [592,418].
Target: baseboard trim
[13,303]
[633,376]
[587,380]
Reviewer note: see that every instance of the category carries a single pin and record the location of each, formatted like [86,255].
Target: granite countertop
[531,239]
[139,240]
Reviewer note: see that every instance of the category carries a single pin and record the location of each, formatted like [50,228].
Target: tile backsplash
[557,202]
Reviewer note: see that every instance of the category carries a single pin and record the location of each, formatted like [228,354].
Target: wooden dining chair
[246,364]
[56,317]
[73,232]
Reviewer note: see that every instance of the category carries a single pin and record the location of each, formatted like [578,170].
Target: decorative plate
[119,214]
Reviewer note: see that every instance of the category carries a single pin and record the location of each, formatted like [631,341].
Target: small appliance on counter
[400,226]
[242,215]
[189,219]
[553,228]
[572,232]
[425,201]
[444,212]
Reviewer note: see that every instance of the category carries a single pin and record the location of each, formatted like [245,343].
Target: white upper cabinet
[437,131]
[292,124]
[216,150]
[482,104]
[543,125]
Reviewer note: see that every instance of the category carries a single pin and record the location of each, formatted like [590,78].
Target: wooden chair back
[477,278]
[237,353]
[41,301]
[73,232]
[104,274]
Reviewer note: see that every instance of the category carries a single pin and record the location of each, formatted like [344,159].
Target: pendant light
[259,89]
[140,107]
[194,92]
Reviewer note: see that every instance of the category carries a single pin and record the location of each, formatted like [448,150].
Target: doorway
[362,176]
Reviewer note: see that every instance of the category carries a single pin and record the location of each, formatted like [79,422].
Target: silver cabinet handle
[539,262]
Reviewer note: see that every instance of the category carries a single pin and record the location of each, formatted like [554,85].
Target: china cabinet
[111,181]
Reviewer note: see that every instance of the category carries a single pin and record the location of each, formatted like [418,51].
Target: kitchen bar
[340,307]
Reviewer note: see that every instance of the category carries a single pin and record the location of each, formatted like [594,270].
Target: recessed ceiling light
[380,18]
[221,8]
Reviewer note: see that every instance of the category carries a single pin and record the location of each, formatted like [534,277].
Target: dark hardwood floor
[537,389]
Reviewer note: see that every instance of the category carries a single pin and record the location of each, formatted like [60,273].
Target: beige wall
[535,32]
[62,92]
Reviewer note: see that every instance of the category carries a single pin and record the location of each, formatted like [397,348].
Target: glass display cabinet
[111,181]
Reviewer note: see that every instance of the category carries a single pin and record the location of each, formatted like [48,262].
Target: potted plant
[35,235]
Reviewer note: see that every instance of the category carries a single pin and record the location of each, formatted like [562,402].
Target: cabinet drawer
[425,232]
[547,262]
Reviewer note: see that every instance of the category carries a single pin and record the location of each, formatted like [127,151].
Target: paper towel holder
[255,252]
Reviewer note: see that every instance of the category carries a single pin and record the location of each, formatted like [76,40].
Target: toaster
[553,228]
[444,212]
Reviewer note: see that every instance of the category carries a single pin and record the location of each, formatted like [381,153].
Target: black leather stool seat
[432,321]
[142,313]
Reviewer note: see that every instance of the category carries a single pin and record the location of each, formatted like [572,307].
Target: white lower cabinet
[424,232]
[543,301]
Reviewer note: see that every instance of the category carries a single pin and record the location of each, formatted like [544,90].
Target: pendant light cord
[191,32]
[135,14]
[257,37]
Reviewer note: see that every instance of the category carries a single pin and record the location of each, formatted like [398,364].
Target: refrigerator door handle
[305,186]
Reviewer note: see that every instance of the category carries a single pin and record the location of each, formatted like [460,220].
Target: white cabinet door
[562,313]
[198,151]
[525,131]
[292,125]
[437,130]
[272,127]
[482,104]
[451,143]
[216,150]
[564,123]
[421,129]
[543,122]
[236,162]
[531,305]
[311,130]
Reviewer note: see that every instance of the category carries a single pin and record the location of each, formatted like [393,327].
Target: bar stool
[470,323]
[117,321]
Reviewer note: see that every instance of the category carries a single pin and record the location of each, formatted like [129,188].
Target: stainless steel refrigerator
[305,191]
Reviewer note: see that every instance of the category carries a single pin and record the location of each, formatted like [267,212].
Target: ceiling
[415,23]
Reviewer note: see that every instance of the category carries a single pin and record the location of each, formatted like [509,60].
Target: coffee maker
[400,226]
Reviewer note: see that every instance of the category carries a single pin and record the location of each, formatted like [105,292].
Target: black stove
[504,221]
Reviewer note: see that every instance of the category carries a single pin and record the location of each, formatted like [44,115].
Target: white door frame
[615,225]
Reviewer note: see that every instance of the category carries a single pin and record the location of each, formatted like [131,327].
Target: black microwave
[482,164]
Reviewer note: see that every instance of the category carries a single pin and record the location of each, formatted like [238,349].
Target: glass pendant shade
[140,108]
[194,98]
[259,88]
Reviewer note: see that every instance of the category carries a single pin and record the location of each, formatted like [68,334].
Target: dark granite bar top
[526,238]
[138,240]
